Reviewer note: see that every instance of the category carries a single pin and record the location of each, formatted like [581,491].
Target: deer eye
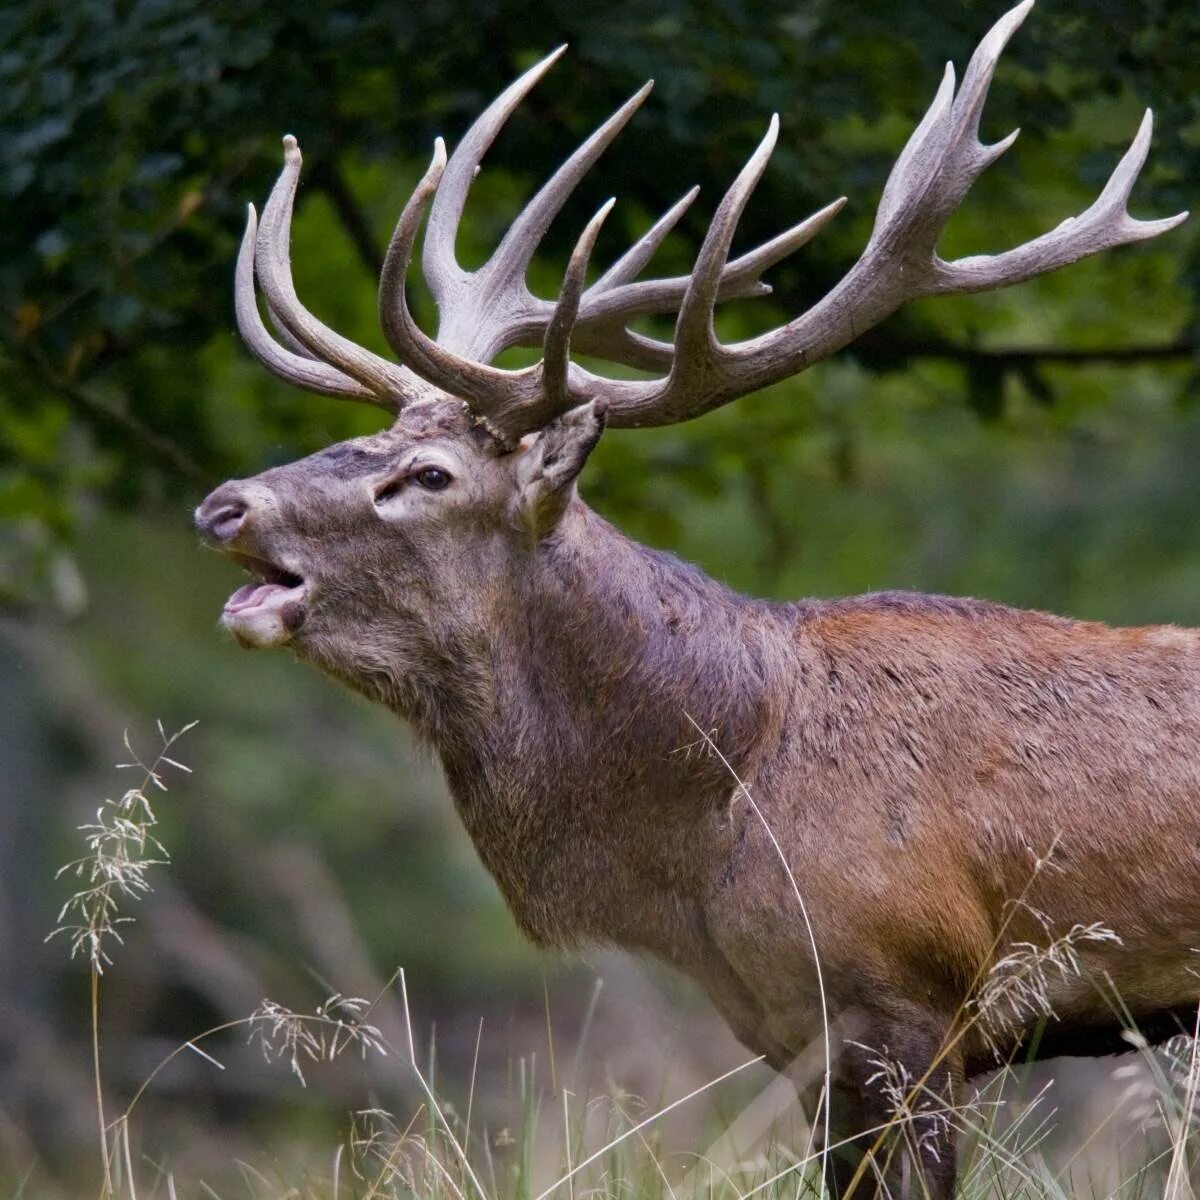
[433,479]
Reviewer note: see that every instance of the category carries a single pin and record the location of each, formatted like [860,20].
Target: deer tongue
[251,595]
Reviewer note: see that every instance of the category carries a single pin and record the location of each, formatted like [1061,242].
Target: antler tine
[394,316]
[1106,223]
[438,262]
[556,349]
[696,344]
[482,386]
[281,332]
[977,79]
[920,152]
[273,266]
[753,263]
[302,371]
[516,249]
[630,265]
[1115,197]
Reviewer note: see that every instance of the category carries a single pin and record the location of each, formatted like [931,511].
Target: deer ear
[549,464]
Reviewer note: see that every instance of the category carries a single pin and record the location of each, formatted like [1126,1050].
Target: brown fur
[914,755]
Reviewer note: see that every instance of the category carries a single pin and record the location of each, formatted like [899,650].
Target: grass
[561,1141]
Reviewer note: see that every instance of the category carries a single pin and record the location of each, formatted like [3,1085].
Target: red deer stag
[910,754]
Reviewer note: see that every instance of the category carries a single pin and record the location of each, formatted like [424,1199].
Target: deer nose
[222,515]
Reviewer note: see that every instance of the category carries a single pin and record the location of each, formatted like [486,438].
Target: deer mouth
[268,610]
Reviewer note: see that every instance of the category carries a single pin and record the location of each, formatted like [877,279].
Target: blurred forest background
[1039,446]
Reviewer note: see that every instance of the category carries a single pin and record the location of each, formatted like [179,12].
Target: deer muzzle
[271,609]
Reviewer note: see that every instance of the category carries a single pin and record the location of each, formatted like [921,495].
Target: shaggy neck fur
[567,741]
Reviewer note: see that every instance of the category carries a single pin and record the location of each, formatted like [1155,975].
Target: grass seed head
[120,850]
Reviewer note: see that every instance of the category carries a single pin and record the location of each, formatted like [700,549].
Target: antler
[485,311]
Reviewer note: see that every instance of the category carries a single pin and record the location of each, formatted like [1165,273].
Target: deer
[839,817]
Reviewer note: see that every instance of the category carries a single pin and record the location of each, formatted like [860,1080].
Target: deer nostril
[225,522]
[228,521]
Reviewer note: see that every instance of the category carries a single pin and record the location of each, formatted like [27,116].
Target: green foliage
[135,132]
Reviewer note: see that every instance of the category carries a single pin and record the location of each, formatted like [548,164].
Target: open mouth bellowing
[268,610]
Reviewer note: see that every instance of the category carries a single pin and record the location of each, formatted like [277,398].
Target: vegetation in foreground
[563,1143]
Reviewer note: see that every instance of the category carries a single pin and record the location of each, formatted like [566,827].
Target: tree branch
[97,404]
[874,350]
[185,208]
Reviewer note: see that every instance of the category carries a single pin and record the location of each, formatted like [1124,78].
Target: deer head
[385,557]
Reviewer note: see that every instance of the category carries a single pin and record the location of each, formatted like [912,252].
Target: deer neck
[613,678]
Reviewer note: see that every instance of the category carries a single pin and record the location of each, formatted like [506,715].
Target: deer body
[900,797]
[915,755]
[856,726]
